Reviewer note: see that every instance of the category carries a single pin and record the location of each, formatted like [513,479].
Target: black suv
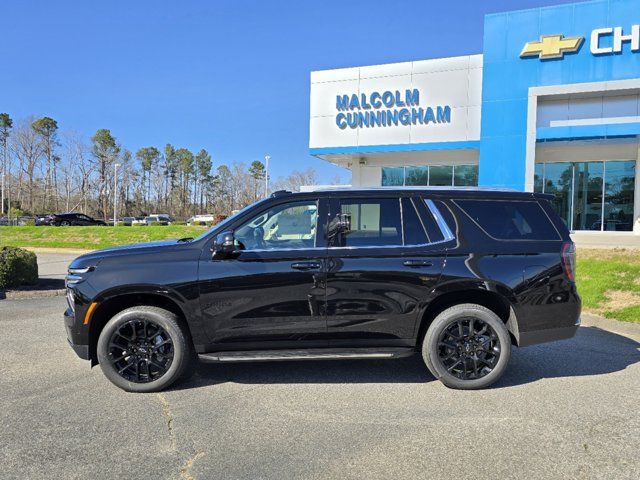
[458,275]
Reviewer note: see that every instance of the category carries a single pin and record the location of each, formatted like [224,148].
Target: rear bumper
[547,335]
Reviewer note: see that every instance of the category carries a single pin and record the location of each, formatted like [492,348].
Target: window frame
[320,237]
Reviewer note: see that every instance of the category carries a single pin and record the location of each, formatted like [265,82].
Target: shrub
[17,267]
[30,223]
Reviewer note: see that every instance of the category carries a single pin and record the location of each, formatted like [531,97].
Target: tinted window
[372,222]
[510,219]
[287,226]
[434,232]
[414,233]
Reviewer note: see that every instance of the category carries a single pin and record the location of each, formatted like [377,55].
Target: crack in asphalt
[185,471]
[168,415]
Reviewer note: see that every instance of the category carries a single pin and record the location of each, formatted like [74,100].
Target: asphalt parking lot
[564,410]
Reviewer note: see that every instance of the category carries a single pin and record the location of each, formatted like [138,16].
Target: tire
[145,338]
[475,360]
[64,223]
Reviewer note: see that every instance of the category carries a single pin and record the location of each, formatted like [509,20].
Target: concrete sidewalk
[53,264]
[606,239]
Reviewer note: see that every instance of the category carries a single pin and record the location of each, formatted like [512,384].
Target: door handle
[417,263]
[305,266]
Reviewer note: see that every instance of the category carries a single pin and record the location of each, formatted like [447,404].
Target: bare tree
[27,148]
[296,179]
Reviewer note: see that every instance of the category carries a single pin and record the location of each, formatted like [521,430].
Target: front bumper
[75,340]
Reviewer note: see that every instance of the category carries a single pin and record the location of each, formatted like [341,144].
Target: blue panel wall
[507,77]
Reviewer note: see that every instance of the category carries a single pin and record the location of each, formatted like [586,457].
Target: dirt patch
[617,299]
[630,255]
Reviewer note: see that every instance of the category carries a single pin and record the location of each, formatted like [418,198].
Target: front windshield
[227,220]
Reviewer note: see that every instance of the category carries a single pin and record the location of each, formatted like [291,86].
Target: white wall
[455,81]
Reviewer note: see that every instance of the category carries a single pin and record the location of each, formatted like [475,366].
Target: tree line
[46,170]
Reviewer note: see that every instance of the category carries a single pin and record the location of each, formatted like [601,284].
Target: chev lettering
[616,40]
[386,109]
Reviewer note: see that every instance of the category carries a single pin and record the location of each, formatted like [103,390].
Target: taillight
[569,260]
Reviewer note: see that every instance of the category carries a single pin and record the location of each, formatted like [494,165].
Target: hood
[92,258]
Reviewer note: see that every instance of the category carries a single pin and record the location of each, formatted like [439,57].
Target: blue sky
[228,76]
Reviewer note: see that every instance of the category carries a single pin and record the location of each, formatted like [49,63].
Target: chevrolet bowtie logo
[551,46]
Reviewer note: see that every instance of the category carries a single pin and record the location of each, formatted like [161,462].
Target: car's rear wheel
[64,223]
[144,349]
[467,347]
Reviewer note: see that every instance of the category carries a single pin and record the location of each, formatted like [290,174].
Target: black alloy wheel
[141,351]
[469,348]
[145,349]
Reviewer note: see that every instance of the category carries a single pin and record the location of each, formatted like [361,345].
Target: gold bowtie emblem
[551,46]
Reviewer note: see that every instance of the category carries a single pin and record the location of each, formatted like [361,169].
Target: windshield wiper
[185,239]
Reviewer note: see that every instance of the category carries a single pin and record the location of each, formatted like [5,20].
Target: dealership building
[551,105]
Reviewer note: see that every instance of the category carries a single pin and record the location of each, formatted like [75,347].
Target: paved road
[54,264]
[564,410]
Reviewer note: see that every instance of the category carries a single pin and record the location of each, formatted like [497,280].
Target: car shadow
[592,351]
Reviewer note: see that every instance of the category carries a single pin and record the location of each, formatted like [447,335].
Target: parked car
[201,219]
[66,219]
[139,221]
[159,219]
[41,219]
[127,220]
[455,275]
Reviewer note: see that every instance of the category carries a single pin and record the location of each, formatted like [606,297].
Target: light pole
[266,175]
[3,189]
[115,194]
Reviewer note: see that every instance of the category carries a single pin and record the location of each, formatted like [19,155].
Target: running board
[307,354]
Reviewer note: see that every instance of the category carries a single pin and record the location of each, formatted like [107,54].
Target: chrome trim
[73,279]
[79,271]
[442,224]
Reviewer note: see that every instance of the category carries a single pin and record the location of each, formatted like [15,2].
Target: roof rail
[280,193]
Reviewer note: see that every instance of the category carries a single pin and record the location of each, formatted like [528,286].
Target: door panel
[376,297]
[267,295]
[376,294]
[262,296]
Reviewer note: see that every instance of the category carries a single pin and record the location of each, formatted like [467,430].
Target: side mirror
[223,245]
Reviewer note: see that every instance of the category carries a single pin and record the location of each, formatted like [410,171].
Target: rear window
[510,219]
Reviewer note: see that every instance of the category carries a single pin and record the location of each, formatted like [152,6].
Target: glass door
[590,195]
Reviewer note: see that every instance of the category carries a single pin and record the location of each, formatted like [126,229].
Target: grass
[91,238]
[608,280]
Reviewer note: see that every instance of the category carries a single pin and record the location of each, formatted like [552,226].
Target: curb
[27,294]
[616,326]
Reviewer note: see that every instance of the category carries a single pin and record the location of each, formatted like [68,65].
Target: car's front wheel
[467,347]
[144,349]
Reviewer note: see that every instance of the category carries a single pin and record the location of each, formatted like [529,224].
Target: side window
[430,223]
[414,233]
[287,226]
[372,222]
[510,219]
